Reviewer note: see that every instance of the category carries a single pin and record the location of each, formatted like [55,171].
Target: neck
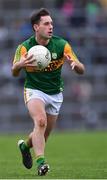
[42,41]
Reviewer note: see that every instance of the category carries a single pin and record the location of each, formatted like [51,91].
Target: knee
[42,122]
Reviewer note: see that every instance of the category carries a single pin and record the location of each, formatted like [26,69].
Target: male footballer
[43,89]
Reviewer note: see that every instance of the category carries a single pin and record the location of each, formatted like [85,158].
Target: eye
[47,23]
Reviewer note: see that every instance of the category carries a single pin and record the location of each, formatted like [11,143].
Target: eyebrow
[49,22]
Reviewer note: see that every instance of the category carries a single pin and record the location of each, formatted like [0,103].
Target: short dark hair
[35,17]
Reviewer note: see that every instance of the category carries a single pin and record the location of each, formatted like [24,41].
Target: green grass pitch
[78,155]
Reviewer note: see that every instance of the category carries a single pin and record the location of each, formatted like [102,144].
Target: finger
[30,57]
[25,55]
[66,56]
[73,65]
[29,64]
[32,60]
[32,65]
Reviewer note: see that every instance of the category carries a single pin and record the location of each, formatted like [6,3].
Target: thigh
[51,120]
[36,108]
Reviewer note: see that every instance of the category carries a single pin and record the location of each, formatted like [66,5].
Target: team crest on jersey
[54,55]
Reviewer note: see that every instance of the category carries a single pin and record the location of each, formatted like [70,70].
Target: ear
[35,27]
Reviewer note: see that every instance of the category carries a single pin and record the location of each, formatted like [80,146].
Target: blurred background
[84,24]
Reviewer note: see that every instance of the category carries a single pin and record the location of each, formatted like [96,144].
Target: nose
[51,26]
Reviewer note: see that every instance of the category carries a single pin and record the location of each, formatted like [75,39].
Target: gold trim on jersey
[55,64]
[21,51]
[68,51]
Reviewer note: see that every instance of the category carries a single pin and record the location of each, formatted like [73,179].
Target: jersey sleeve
[20,51]
[68,50]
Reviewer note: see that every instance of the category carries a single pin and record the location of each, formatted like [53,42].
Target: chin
[49,36]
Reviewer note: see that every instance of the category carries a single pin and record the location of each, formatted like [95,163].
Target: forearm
[16,68]
[79,68]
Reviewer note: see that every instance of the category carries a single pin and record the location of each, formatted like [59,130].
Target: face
[45,27]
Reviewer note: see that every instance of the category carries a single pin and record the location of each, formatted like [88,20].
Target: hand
[26,61]
[75,65]
[70,61]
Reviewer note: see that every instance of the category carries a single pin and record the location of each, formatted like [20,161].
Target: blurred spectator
[6,67]
[25,30]
[78,17]
[103,3]
[3,33]
[90,116]
[58,3]
[68,8]
[81,91]
[22,29]
[3,30]
[93,11]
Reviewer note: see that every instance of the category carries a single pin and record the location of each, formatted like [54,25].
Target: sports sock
[40,160]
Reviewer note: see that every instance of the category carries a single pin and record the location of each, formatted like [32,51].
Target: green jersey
[49,79]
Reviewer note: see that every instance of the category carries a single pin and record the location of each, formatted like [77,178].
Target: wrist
[18,66]
[79,68]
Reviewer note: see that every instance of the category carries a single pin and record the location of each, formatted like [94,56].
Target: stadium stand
[85,97]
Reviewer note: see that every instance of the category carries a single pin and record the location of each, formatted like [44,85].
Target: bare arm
[73,60]
[78,67]
[24,62]
[75,65]
[16,68]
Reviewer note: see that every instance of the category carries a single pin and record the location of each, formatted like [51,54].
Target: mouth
[50,33]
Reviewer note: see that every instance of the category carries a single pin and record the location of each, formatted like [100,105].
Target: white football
[41,55]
